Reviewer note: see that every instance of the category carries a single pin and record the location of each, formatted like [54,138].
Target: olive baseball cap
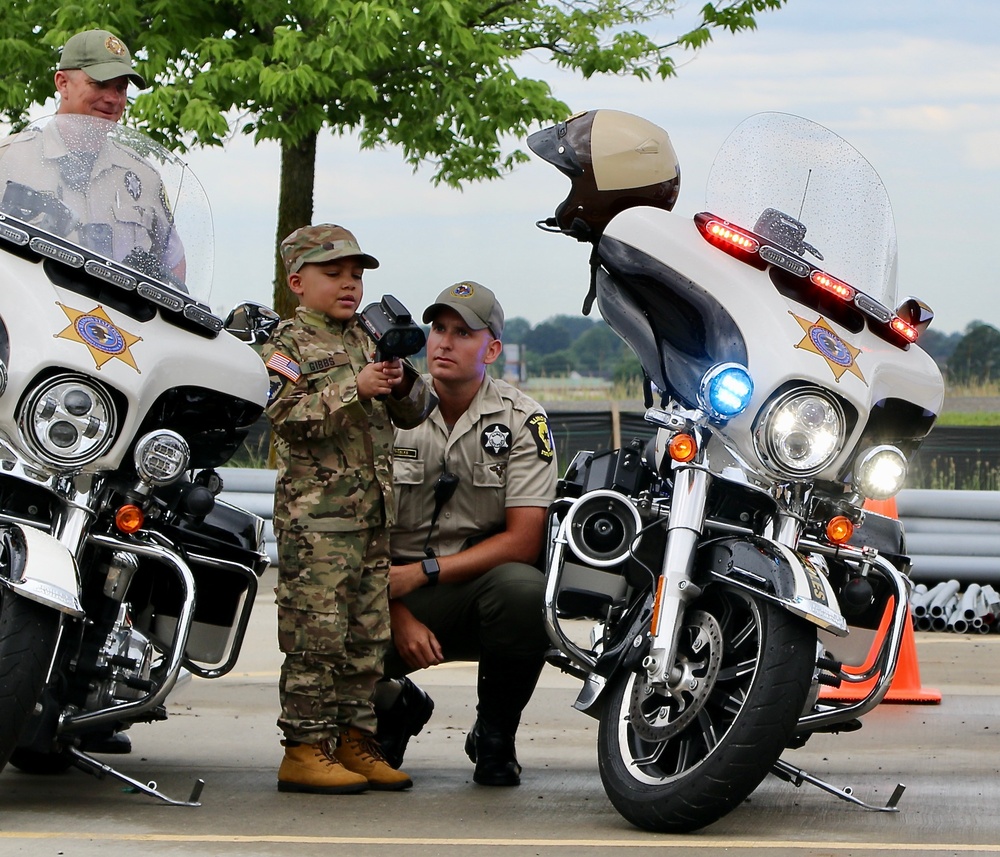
[323,242]
[477,305]
[101,54]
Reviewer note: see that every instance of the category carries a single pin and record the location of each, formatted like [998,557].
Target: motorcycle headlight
[801,432]
[726,390]
[880,472]
[161,457]
[68,420]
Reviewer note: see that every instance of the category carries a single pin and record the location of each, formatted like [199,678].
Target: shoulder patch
[496,439]
[538,425]
[283,365]
[274,388]
[404,452]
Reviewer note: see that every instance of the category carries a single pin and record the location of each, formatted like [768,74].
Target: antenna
[805,191]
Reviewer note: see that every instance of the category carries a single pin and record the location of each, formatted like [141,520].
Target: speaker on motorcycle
[601,526]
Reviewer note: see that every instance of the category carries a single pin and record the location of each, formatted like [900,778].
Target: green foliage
[437,78]
[976,358]
[400,74]
[975,418]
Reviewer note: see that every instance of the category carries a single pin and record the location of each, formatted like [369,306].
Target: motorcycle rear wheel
[28,633]
[678,763]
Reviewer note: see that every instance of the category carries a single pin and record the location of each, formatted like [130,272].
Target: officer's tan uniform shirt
[110,185]
[503,455]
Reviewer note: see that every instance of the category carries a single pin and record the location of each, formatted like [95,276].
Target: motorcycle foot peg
[829,664]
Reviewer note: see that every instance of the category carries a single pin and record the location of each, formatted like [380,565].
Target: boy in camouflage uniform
[332,412]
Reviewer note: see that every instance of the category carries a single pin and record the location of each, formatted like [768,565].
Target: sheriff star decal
[99,333]
[821,339]
[496,439]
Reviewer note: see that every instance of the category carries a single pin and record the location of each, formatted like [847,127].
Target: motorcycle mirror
[916,314]
[252,322]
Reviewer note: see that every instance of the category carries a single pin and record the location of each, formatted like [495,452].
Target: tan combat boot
[312,768]
[359,752]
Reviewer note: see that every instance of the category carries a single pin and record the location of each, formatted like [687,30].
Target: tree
[976,358]
[548,338]
[414,75]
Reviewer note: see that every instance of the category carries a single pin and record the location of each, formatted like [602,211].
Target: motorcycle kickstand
[101,770]
[796,776]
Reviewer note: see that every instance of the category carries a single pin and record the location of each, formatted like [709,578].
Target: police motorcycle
[121,571]
[729,566]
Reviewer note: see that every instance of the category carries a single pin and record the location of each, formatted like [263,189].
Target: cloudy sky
[914,86]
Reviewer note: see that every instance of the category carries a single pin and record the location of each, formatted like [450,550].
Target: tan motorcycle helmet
[615,161]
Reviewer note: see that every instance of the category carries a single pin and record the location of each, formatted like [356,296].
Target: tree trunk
[295,209]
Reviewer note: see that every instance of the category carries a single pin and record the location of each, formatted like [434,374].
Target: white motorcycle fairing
[40,568]
[801,344]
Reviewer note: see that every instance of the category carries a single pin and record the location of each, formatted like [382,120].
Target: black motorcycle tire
[28,634]
[744,720]
[41,764]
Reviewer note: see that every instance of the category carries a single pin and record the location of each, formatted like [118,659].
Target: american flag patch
[284,366]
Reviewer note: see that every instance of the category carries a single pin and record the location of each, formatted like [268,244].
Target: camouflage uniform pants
[333,627]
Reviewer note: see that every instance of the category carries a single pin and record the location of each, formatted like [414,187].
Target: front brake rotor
[658,714]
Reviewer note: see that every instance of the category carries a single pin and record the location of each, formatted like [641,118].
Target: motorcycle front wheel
[675,762]
[28,633]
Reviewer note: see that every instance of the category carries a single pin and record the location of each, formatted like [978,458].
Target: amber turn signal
[129,519]
[682,448]
[839,530]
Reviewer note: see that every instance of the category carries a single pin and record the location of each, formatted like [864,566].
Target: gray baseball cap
[477,305]
[101,54]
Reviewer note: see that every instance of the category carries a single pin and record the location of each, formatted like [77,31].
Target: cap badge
[133,184]
[462,290]
[115,46]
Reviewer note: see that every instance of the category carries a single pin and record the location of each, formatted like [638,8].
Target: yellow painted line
[653,841]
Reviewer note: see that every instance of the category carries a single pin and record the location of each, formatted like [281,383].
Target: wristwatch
[431,569]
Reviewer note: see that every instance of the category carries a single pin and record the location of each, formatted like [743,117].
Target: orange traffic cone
[906,686]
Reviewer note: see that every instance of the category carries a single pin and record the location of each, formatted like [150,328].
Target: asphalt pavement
[223,732]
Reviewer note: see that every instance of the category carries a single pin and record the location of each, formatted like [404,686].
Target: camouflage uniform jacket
[334,451]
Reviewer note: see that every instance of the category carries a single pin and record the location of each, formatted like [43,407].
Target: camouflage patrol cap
[323,242]
[101,54]
[477,305]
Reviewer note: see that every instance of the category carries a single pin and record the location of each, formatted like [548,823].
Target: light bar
[202,317]
[161,297]
[14,236]
[907,331]
[725,234]
[872,307]
[832,285]
[54,251]
[109,274]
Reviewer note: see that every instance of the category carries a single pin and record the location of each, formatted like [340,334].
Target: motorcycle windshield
[114,192]
[800,185]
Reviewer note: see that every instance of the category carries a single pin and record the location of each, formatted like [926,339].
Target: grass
[975,418]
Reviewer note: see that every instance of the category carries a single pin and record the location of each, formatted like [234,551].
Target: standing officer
[473,483]
[114,200]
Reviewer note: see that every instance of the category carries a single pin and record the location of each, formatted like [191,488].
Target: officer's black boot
[401,720]
[505,686]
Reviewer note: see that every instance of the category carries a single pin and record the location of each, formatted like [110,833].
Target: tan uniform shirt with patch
[116,199]
[504,457]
